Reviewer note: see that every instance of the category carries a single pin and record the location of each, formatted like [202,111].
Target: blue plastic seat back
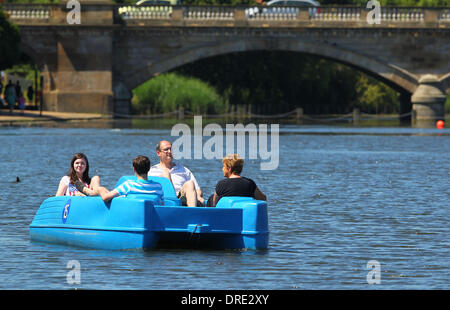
[234,201]
[169,191]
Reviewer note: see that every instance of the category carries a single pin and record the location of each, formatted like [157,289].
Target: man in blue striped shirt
[141,166]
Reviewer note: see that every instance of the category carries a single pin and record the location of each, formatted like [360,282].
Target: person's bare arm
[107,195]
[61,189]
[214,199]
[95,182]
[259,195]
[166,174]
[200,196]
[101,191]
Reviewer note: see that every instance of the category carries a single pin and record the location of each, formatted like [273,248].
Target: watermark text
[374,16]
[74,274]
[374,275]
[74,15]
[213,148]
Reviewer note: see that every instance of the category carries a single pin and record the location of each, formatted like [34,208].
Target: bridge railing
[208,13]
[272,13]
[338,14]
[402,14]
[146,12]
[444,15]
[20,11]
[96,14]
[285,13]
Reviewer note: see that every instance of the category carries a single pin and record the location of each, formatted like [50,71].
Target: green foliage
[277,82]
[425,3]
[376,97]
[32,1]
[328,2]
[168,92]
[218,2]
[9,42]
[25,70]
[322,2]
[244,2]
[203,2]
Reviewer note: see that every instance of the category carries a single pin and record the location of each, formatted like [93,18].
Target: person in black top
[18,91]
[234,184]
[30,93]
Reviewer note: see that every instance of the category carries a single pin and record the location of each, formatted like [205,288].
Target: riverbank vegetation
[169,92]
[9,42]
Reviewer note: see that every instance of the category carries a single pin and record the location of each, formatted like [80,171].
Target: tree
[9,42]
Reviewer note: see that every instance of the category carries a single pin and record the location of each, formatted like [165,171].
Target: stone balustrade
[241,15]
[22,12]
[286,13]
[146,12]
[208,13]
[272,13]
[336,14]
[444,15]
[402,14]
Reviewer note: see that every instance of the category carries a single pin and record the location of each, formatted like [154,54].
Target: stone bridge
[93,66]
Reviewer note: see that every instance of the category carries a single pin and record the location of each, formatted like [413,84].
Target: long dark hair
[73,174]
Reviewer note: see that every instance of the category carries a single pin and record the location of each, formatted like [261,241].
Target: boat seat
[233,201]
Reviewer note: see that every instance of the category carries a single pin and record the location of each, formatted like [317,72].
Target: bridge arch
[399,79]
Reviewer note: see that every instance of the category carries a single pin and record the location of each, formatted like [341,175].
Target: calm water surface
[340,198]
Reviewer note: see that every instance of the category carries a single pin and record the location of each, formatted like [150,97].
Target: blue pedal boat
[143,222]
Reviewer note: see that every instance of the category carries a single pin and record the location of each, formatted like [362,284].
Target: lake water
[341,197]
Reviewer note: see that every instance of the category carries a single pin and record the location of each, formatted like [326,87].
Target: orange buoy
[440,124]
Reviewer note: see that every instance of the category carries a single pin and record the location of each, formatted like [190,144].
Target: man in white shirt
[182,178]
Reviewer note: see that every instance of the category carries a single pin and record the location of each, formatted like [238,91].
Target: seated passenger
[79,171]
[234,184]
[141,166]
[182,179]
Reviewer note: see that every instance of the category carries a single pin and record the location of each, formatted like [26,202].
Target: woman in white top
[79,170]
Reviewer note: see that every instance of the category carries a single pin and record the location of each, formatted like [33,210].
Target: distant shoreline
[32,118]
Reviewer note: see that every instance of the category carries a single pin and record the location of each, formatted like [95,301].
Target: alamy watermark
[213,148]
[74,15]
[74,274]
[374,16]
[374,275]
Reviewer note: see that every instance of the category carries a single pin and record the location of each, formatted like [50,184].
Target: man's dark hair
[141,164]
